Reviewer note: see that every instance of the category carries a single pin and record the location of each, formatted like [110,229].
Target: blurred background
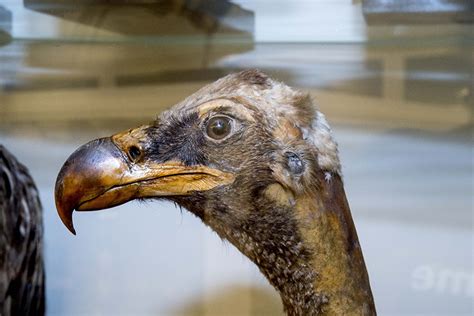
[395,79]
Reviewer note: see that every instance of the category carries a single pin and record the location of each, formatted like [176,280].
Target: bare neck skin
[326,224]
[309,251]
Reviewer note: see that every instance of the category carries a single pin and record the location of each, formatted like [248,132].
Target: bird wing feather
[22,289]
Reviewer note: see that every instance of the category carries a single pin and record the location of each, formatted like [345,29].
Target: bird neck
[308,250]
[325,224]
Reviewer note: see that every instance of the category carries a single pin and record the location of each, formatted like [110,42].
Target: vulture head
[254,160]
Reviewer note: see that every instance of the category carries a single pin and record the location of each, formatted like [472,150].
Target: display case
[397,91]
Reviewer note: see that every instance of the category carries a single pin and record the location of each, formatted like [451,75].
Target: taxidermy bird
[21,248]
[255,161]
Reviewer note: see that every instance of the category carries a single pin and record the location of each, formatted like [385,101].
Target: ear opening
[315,130]
[295,167]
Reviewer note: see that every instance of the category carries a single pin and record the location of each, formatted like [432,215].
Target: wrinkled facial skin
[247,153]
[213,155]
[215,150]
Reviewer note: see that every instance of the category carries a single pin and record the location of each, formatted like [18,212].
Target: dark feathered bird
[21,247]
[256,161]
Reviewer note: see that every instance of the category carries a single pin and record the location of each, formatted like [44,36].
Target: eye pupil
[134,152]
[219,127]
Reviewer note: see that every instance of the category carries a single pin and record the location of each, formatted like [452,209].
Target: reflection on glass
[398,93]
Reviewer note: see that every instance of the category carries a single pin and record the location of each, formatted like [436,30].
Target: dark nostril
[134,152]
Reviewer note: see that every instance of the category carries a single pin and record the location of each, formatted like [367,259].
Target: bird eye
[134,152]
[219,127]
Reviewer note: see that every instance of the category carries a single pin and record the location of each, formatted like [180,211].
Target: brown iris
[219,127]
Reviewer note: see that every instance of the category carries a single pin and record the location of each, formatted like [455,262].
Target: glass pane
[394,81]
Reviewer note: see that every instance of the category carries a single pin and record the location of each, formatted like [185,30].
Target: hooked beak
[101,175]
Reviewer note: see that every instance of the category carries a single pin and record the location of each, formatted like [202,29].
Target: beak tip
[65,213]
[64,204]
[71,229]
[67,221]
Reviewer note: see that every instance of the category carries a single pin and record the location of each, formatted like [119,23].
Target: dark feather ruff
[22,279]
